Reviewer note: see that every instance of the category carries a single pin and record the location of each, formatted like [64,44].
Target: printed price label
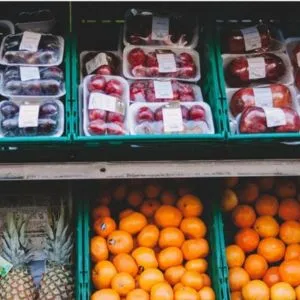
[172,119]
[29,73]
[30,41]
[28,116]
[251,38]
[298,58]
[5,267]
[96,62]
[105,102]
[160,28]
[256,67]
[275,116]
[263,97]
[166,63]
[163,89]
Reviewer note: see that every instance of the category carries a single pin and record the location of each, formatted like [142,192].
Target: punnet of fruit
[32,81]
[105,105]
[31,48]
[293,49]
[262,231]
[150,28]
[149,242]
[161,62]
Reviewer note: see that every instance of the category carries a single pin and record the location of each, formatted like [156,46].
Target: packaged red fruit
[261,120]
[263,68]
[275,95]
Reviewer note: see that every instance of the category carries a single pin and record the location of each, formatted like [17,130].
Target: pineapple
[58,282]
[18,283]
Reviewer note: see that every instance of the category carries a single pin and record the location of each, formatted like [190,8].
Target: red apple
[144,114]
[151,60]
[116,128]
[139,71]
[104,70]
[97,127]
[186,58]
[97,114]
[292,121]
[197,113]
[114,86]
[115,117]
[253,120]
[97,83]
[136,57]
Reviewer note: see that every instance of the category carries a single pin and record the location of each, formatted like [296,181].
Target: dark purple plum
[50,87]
[28,131]
[52,73]
[9,109]
[49,109]
[47,126]
[13,87]
[10,126]
[32,88]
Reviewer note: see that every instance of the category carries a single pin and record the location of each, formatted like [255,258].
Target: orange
[271,249]
[168,216]
[149,278]
[98,249]
[123,283]
[290,272]
[104,226]
[138,294]
[105,294]
[152,190]
[145,258]
[282,291]
[265,183]
[125,263]
[174,274]
[230,182]
[135,198]
[133,223]
[149,207]
[119,192]
[236,295]
[100,212]
[195,248]
[289,209]
[267,205]
[190,206]
[162,291]
[290,232]
[297,290]
[126,212]
[248,192]
[229,200]
[243,216]
[192,279]
[148,237]
[235,256]
[256,266]
[168,197]
[104,198]
[178,286]
[266,226]
[285,188]
[200,265]
[254,290]
[206,279]
[186,293]
[119,242]
[247,239]
[170,237]
[102,274]
[207,293]
[169,257]
[272,276]
[237,278]
[292,252]
[193,228]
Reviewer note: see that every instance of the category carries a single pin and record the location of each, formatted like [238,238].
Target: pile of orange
[264,258]
[154,249]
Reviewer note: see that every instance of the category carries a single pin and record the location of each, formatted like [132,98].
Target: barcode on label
[102,101]
[172,119]
[263,97]
[251,38]
[166,63]
[29,73]
[163,89]
[256,67]
[274,116]
[30,41]
[28,116]
[96,62]
[160,28]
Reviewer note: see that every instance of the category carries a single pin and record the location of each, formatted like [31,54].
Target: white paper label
[29,73]
[30,41]
[163,89]
[252,38]
[275,116]
[160,28]
[298,58]
[263,97]
[102,101]
[256,67]
[166,63]
[96,62]
[28,116]
[172,119]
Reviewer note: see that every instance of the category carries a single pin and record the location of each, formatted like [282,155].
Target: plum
[13,87]
[136,57]
[187,71]
[9,109]
[32,88]
[185,59]
[10,126]
[50,87]
[47,126]
[49,109]
[151,60]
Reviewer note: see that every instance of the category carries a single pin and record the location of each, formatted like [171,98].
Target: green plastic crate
[209,89]
[212,218]
[241,138]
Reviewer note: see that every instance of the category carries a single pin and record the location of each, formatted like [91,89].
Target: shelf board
[149,169]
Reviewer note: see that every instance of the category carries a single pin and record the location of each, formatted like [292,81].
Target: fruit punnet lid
[31,48]
[149,28]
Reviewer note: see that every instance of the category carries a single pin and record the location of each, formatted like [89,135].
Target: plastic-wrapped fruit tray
[105,105]
[32,82]
[18,117]
[163,91]
[172,63]
[34,49]
[146,28]
[152,122]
